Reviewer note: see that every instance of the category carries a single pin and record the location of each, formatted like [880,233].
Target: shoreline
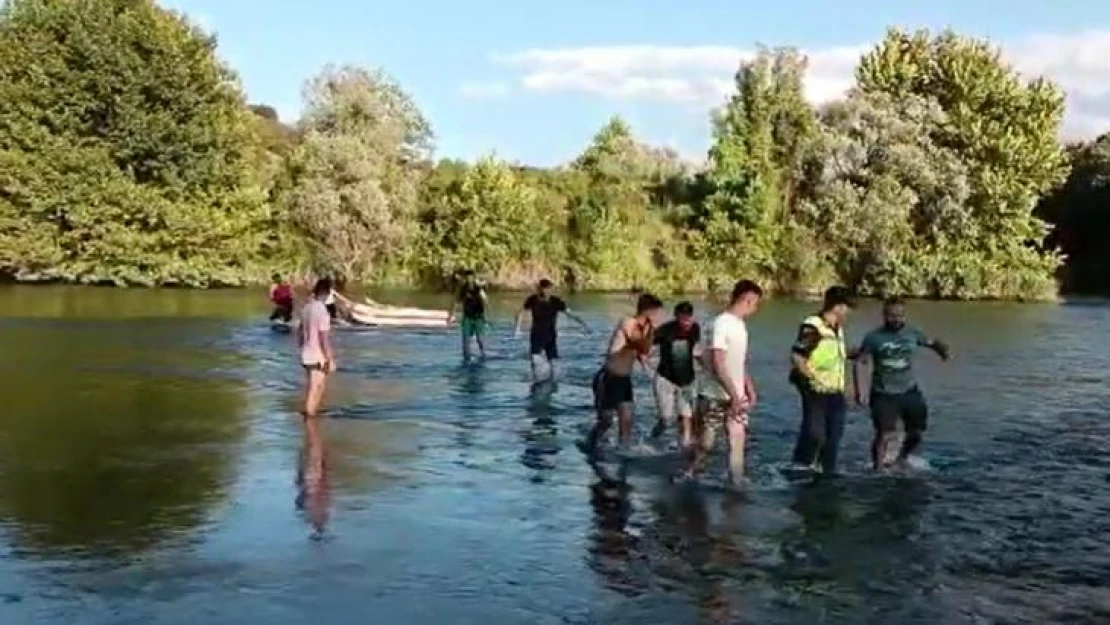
[386,287]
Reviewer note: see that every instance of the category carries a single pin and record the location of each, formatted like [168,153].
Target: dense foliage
[129,155]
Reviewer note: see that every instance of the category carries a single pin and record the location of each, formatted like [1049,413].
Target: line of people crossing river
[702,385]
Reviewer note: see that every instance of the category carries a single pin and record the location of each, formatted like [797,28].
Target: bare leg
[880,449]
[703,437]
[909,445]
[685,431]
[737,438]
[317,380]
[600,429]
[624,423]
[481,346]
[465,346]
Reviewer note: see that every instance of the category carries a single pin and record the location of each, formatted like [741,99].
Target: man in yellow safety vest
[819,371]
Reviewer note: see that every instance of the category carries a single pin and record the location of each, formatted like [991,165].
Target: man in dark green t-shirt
[895,395]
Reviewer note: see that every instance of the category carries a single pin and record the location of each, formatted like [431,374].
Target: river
[151,472]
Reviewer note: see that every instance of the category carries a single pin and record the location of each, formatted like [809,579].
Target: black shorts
[282,311]
[908,407]
[610,391]
[544,345]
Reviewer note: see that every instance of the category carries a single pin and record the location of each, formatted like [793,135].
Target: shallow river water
[151,472]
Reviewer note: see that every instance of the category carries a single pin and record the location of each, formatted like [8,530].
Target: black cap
[837,295]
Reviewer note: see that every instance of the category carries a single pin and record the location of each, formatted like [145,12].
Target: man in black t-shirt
[678,342]
[543,340]
[472,300]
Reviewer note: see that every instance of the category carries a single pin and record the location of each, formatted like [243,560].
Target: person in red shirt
[281,295]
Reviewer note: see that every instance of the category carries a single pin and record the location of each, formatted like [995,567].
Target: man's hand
[941,349]
[738,412]
[751,400]
[329,366]
[737,405]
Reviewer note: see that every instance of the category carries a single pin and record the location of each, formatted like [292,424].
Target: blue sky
[533,81]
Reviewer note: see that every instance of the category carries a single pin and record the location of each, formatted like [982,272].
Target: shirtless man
[631,341]
[314,339]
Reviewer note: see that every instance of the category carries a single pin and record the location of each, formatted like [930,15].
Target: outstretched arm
[940,347]
[576,319]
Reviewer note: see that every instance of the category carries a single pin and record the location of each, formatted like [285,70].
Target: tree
[1080,213]
[126,153]
[354,178]
[491,220]
[1004,129]
[885,198]
[761,140]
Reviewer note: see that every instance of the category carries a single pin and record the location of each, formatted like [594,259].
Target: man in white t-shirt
[726,394]
[314,340]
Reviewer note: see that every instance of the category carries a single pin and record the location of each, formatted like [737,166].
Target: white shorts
[672,399]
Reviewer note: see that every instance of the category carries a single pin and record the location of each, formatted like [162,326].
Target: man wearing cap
[819,371]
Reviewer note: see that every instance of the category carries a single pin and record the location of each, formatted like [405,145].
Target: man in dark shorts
[472,300]
[630,342]
[317,355]
[543,340]
[895,395]
[679,346]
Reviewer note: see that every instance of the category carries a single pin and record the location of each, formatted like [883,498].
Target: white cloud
[484,90]
[702,75]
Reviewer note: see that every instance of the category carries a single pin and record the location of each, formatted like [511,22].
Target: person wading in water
[543,339]
[630,342]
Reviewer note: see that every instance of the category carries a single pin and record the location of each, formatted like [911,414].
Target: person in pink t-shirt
[314,338]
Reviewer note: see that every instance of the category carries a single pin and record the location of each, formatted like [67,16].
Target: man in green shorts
[895,395]
[472,299]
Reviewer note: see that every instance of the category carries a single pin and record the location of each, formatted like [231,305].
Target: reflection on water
[149,437]
[313,492]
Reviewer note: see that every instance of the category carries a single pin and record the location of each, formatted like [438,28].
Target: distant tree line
[129,155]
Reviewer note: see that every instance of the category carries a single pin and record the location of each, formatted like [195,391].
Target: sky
[533,81]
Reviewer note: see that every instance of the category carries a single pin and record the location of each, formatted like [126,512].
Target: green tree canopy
[126,151]
[355,176]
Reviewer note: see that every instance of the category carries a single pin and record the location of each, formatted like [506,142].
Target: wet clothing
[282,312]
[473,302]
[823,419]
[314,322]
[909,408]
[610,391]
[545,345]
[544,333]
[676,352]
[824,409]
[729,334]
[823,346]
[895,395]
[891,352]
[672,399]
[472,326]
[713,412]
[282,297]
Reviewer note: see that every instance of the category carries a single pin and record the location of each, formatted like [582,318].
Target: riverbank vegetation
[129,155]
